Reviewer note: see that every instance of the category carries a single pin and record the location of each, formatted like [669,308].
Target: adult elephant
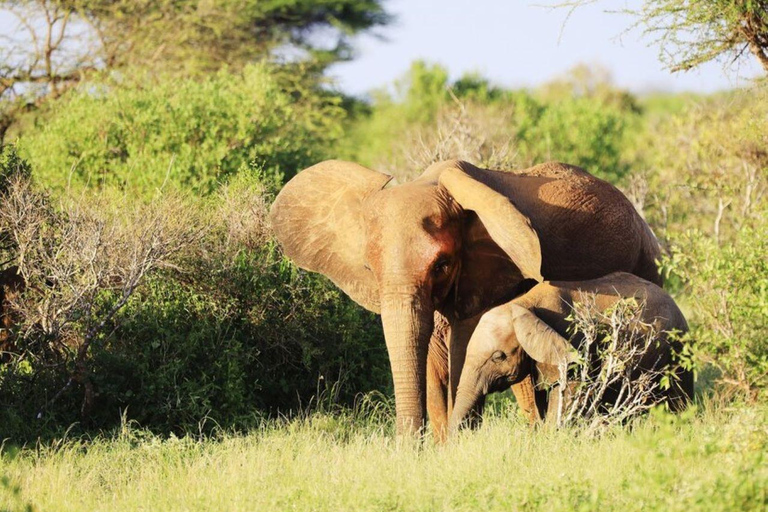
[458,240]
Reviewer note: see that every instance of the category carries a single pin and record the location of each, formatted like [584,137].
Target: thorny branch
[82,261]
[613,345]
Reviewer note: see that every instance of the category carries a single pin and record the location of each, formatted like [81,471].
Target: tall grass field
[712,458]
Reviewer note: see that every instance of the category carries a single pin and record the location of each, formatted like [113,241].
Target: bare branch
[619,377]
[82,261]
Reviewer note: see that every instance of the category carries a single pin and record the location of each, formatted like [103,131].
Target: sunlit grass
[709,460]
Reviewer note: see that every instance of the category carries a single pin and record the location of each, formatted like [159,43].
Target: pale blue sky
[515,43]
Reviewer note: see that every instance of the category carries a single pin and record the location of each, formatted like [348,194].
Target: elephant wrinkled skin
[455,242]
[531,333]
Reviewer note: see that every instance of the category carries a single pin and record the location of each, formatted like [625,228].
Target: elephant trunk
[408,325]
[468,397]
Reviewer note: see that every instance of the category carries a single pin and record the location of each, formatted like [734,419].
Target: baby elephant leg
[526,398]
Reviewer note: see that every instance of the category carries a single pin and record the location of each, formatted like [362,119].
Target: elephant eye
[498,356]
[442,266]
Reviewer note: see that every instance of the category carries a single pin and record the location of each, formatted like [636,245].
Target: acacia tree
[55,44]
[692,32]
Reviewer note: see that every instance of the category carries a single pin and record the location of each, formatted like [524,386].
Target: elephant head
[446,241]
[504,339]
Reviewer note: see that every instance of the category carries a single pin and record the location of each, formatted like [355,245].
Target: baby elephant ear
[539,340]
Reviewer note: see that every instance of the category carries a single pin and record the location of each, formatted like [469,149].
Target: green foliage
[709,169]
[52,46]
[580,119]
[11,166]
[475,87]
[581,131]
[728,290]
[422,90]
[229,331]
[183,134]
[233,344]
[233,332]
[57,43]
[708,163]
[690,33]
[198,35]
[418,95]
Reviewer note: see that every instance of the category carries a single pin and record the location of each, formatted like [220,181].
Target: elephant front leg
[526,398]
[530,400]
[437,379]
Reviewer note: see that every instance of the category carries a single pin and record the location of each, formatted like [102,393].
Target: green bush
[188,134]
[229,330]
[236,344]
[472,119]
[707,163]
[708,176]
[727,287]
[581,131]
[12,166]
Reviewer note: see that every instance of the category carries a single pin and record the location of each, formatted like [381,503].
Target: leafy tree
[58,43]
[695,32]
[181,134]
[692,32]
[203,35]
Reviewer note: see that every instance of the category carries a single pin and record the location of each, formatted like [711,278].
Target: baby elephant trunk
[468,399]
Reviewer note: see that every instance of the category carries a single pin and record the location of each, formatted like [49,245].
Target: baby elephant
[526,339]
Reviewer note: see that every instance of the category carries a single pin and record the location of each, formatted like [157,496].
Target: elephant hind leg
[437,379]
[680,395]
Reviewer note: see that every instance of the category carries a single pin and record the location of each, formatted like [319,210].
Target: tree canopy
[692,32]
[57,43]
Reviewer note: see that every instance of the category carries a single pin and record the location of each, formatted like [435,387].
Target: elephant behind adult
[457,240]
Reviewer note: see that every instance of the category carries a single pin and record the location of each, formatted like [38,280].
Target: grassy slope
[714,460]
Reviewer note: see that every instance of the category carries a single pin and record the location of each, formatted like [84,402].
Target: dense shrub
[170,313]
[259,337]
[707,197]
[230,330]
[706,165]
[74,266]
[12,166]
[188,134]
[727,287]
[582,131]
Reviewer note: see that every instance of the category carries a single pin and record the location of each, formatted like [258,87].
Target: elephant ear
[318,220]
[539,340]
[507,226]
[500,249]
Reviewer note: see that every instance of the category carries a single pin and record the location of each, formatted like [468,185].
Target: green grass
[713,459]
